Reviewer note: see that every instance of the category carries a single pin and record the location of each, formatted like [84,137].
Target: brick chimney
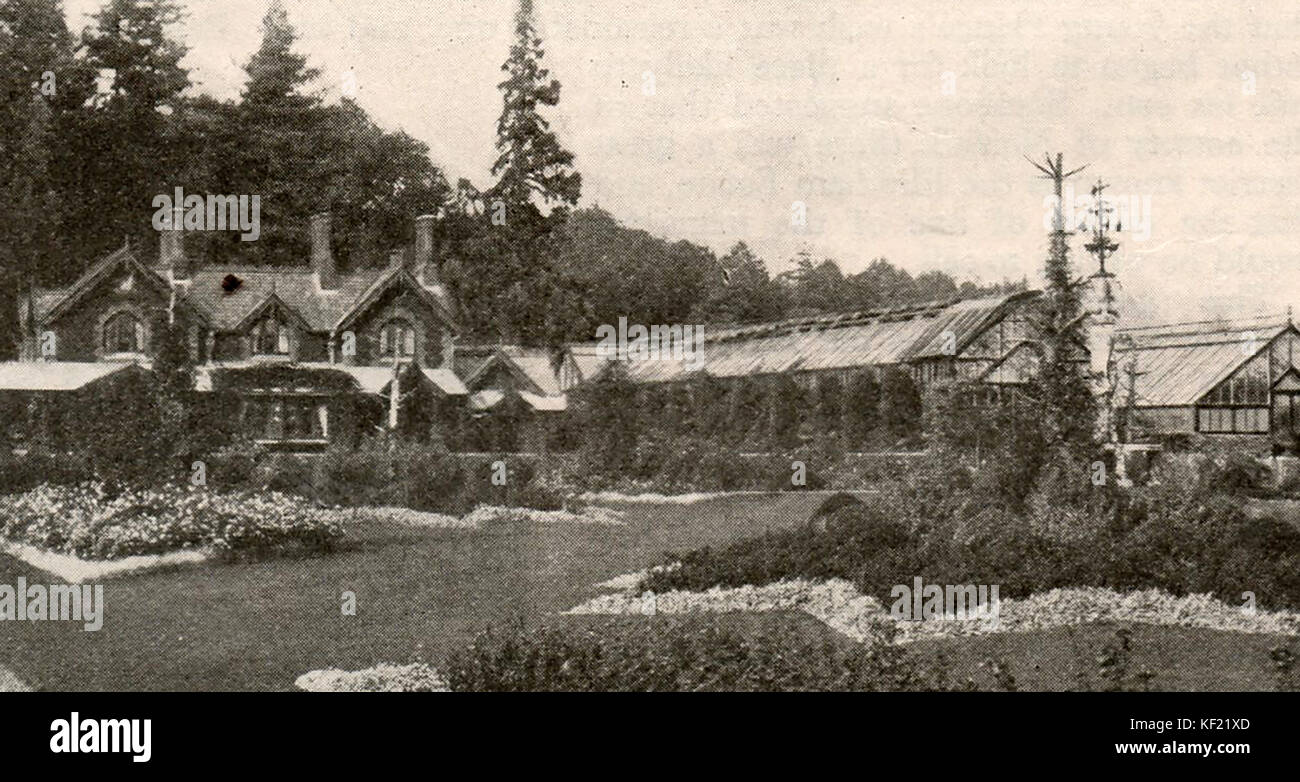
[322,256]
[426,268]
[171,247]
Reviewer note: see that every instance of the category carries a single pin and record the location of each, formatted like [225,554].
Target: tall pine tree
[531,163]
[282,125]
[508,286]
[41,86]
[131,150]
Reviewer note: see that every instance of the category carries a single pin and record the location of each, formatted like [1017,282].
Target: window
[123,333]
[285,418]
[1229,420]
[271,338]
[397,337]
[303,420]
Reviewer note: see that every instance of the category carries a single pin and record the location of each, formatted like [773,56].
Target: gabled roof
[1177,364]
[272,302]
[537,385]
[843,341]
[589,358]
[295,287]
[50,304]
[965,321]
[433,295]
[532,365]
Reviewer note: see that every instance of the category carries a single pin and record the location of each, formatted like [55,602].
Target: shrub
[234,466]
[1166,536]
[432,478]
[829,506]
[20,473]
[90,522]
[857,540]
[1240,474]
[365,475]
[287,473]
[677,656]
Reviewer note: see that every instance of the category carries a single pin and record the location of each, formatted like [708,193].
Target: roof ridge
[850,317]
[1278,317]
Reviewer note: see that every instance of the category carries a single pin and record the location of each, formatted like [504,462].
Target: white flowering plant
[89,522]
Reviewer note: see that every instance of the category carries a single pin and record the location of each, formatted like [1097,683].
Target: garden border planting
[843,608]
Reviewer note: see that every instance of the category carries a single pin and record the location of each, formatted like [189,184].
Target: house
[957,339]
[311,352]
[1235,379]
[582,363]
[517,386]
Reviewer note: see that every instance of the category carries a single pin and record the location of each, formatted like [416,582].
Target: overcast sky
[901,125]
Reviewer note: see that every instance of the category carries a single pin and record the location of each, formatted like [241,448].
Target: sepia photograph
[569,346]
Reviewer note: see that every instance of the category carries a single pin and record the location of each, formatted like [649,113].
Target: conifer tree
[131,150]
[41,85]
[509,277]
[283,156]
[1061,385]
[531,162]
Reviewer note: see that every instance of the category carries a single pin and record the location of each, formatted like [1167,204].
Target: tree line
[94,124]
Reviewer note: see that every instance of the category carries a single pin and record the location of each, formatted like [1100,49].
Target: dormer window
[397,337]
[271,338]
[123,333]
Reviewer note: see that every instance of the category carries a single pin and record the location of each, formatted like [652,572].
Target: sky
[900,127]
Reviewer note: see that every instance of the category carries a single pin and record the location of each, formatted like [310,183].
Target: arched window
[270,338]
[397,337]
[123,333]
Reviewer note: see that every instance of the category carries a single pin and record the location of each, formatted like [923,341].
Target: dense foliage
[1183,535]
[93,523]
[95,125]
[669,436]
[677,657]
[382,472]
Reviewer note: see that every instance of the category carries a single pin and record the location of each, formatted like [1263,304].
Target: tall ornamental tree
[509,274]
[131,151]
[1062,388]
[43,89]
[531,162]
[281,121]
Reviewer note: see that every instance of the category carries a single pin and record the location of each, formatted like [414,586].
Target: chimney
[171,247]
[426,270]
[322,257]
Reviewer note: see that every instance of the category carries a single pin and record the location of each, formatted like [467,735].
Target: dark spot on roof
[230,283]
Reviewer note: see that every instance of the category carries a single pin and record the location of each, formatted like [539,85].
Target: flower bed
[655,498]
[85,521]
[492,514]
[405,516]
[385,677]
[863,618]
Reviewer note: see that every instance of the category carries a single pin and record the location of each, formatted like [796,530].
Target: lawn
[1184,659]
[420,592]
